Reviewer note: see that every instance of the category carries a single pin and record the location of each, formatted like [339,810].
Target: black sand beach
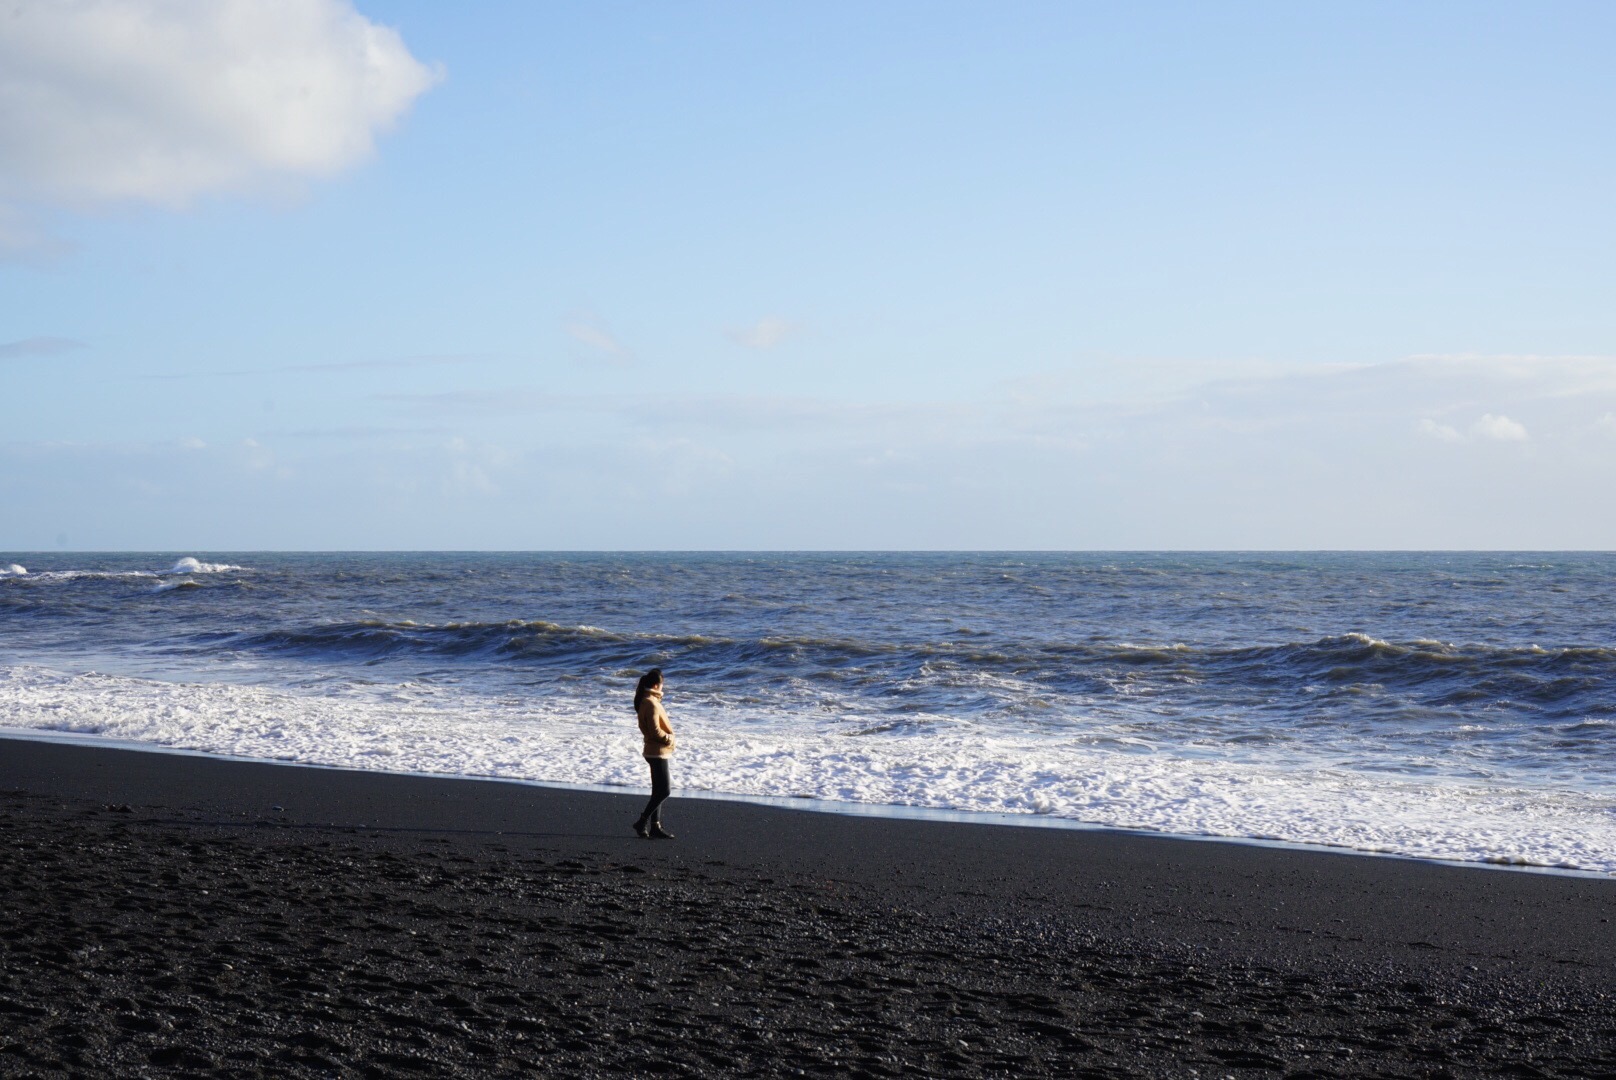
[170,915]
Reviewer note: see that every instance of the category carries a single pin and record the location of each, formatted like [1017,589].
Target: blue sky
[641,275]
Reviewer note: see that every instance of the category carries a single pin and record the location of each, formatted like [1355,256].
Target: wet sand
[171,915]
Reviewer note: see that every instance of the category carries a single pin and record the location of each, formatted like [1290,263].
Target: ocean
[1456,706]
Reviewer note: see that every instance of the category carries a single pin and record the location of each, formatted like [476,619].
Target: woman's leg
[661,785]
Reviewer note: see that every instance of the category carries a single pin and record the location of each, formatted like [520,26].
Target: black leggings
[661,784]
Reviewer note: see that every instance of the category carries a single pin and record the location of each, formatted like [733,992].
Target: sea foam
[418,728]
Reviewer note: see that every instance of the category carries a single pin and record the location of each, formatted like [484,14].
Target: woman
[658,749]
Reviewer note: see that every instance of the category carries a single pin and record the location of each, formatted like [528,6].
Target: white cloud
[1501,428]
[766,333]
[163,100]
[589,330]
[1440,432]
[1486,426]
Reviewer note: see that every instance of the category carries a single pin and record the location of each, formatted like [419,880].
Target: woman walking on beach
[658,749]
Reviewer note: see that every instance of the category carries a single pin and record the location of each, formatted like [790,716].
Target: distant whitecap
[191,565]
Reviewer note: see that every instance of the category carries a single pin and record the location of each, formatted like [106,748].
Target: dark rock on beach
[178,916]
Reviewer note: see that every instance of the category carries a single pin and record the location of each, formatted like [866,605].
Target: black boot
[639,827]
[659,833]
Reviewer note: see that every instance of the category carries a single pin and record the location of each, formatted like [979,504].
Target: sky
[314,274]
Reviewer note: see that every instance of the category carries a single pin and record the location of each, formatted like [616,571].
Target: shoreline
[822,806]
[180,914]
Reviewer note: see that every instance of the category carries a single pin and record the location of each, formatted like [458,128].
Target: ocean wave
[537,639]
[1356,658]
[408,728]
[191,565]
[88,575]
[1440,673]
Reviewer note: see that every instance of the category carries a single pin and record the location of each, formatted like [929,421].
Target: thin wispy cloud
[725,411]
[486,401]
[1453,392]
[1477,400]
[341,365]
[1538,375]
[1499,428]
[39,346]
[591,332]
[24,241]
[1440,432]
[766,333]
[1306,461]
[1485,428]
[353,431]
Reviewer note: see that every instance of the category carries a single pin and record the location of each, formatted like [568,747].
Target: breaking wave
[1435,672]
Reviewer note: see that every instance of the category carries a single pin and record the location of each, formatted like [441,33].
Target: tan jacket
[655,727]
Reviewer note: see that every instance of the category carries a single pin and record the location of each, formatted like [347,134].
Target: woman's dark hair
[648,681]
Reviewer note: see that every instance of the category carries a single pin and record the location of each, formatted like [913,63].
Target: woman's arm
[654,723]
